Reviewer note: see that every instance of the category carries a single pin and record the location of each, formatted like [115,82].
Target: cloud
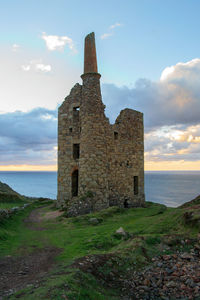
[36,66]
[43,68]
[115,25]
[30,137]
[106,35]
[15,47]
[55,42]
[29,83]
[174,99]
[110,33]
[26,67]
[171,108]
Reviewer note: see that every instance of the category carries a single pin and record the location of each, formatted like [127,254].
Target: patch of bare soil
[38,215]
[18,272]
[52,215]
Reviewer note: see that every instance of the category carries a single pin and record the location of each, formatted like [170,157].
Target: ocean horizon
[171,188]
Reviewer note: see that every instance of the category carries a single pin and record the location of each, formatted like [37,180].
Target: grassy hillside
[92,256]
[9,198]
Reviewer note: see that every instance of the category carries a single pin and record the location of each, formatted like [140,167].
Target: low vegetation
[92,256]
[9,198]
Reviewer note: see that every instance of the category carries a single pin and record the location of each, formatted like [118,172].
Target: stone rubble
[7,213]
[175,276]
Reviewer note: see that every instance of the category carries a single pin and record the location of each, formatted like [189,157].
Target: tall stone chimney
[90,59]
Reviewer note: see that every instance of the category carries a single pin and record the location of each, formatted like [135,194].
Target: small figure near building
[99,164]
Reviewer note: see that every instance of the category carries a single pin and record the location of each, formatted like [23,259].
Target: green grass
[8,205]
[14,233]
[149,230]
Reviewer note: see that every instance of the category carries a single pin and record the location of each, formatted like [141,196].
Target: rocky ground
[175,276]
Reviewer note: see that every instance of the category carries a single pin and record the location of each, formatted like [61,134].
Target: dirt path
[34,220]
[18,272]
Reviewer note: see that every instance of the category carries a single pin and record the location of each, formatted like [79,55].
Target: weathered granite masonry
[99,164]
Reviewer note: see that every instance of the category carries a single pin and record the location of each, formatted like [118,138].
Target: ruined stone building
[99,164]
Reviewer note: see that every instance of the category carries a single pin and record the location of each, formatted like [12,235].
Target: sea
[171,188]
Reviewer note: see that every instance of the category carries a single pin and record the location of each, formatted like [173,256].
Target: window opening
[70,129]
[75,183]
[116,135]
[76,151]
[76,113]
[135,179]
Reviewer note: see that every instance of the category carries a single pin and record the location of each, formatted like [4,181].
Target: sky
[148,54]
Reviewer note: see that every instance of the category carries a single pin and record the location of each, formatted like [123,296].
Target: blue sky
[153,35]
[137,42]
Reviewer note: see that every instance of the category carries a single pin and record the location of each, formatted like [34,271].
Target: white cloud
[43,68]
[55,42]
[166,72]
[26,67]
[105,36]
[36,66]
[181,70]
[115,25]
[15,47]
[25,90]
[110,33]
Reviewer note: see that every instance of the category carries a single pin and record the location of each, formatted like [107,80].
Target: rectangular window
[76,113]
[76,151]
[135,185]
[116,135]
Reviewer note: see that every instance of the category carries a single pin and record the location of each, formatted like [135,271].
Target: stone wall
[99,164]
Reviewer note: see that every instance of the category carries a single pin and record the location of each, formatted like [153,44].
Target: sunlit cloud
[171,108]
[55,42]
[175,100]
[180,70]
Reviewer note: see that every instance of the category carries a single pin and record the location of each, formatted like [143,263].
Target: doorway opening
[125,203]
